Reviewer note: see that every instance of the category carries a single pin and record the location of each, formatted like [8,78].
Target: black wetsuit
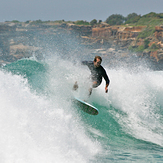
[97,73]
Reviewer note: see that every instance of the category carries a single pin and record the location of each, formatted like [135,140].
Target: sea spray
[37,129]
[138,96]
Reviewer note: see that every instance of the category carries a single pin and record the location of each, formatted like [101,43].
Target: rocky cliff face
[115,32]
[80,29]
[124,37]
[15,39]
[159,33]
[119,35]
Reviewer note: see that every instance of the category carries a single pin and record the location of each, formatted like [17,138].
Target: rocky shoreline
[23,40]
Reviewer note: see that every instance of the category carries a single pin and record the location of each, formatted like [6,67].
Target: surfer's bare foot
[90,91]
[75,87]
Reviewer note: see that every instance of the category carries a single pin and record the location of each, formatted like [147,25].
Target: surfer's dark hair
[98,58]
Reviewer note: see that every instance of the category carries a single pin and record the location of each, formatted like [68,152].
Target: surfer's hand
[106,89]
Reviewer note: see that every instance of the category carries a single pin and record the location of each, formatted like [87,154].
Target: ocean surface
[40,123]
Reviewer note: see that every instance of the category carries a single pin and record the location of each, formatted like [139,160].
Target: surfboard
[86,107]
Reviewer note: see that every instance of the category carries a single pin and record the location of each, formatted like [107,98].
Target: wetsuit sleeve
[106,77]
[85,63]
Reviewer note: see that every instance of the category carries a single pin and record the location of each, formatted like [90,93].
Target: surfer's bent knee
[96,84]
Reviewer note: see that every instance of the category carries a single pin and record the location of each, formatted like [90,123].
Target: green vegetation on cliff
[151,19]
[133,19]
[81,22]
[115,19]
[148,31]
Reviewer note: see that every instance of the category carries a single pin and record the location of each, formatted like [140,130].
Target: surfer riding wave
[97,73]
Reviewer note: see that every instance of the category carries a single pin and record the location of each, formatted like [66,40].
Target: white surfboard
[86,107]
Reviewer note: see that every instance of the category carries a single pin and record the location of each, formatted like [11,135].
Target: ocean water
[39,122]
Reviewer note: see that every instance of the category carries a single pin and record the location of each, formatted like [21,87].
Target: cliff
[18,40]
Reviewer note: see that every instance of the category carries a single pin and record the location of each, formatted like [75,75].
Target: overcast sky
[23,10]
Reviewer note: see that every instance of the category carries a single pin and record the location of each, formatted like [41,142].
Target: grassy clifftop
[149,20]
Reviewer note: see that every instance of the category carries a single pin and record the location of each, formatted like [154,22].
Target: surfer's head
[97,61]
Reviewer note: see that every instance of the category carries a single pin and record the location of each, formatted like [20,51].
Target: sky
[73,10]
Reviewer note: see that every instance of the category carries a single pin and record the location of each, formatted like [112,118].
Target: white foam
[37,129]
[138,95]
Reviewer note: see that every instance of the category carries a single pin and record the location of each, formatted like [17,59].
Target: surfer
[97,73]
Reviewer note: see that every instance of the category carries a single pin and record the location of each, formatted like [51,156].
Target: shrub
[100,21]
[93,22]
[132,18]
[160,15]
[81,22]
[151,14]
[115,19]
